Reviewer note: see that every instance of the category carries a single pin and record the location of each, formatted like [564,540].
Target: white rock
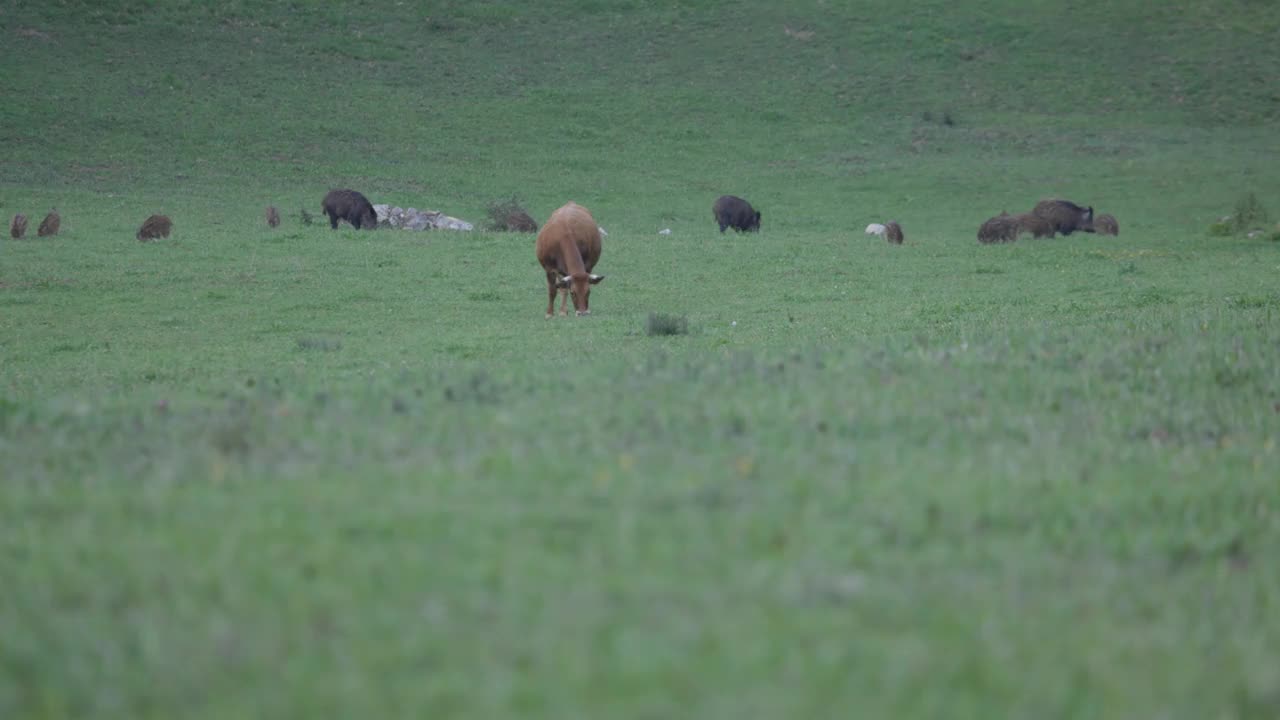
[875,229]
[664,231]
[415,219]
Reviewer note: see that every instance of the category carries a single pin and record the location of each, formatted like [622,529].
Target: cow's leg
[551,297]
[564,301]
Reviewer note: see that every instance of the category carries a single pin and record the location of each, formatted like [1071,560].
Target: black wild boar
[1065,216]
[734,212]
[351,206]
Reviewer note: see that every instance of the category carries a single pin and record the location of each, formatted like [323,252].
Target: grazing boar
[1034,224]
[1002,228]
[50,225]
[273,216]
[18,227]
[351,206]
[156,226]
[732,211]
[567,248]
[1065,216]
[1106,224]
[893,232]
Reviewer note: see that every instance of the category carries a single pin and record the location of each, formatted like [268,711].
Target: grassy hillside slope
[297,472]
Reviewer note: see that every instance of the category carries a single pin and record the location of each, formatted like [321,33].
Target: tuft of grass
[321,344]
[1249,216]
[663,324]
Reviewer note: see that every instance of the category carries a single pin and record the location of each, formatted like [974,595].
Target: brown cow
[568,247]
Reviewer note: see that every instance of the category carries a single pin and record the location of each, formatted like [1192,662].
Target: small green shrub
[664,324]
[1249,213]
[1222,228]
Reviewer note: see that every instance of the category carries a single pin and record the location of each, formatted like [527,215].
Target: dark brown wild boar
[50,225]
[351,206]
[18,227]
[1002,228]
[893,232]
[567,248]
[1065,216]
[732,211]
[1034,224]
[1106,224]
[156,226]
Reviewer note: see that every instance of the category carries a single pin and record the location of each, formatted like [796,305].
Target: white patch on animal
[875,229]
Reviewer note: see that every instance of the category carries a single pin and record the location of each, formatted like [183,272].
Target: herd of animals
[568,244]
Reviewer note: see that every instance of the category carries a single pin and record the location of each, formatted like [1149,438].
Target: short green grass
[312,473]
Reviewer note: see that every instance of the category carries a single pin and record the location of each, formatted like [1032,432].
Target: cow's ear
[563,282]
[596,278]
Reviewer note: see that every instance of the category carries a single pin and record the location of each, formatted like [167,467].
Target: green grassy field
[298,472]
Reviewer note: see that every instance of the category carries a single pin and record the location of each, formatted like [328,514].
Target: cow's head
[579,286]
